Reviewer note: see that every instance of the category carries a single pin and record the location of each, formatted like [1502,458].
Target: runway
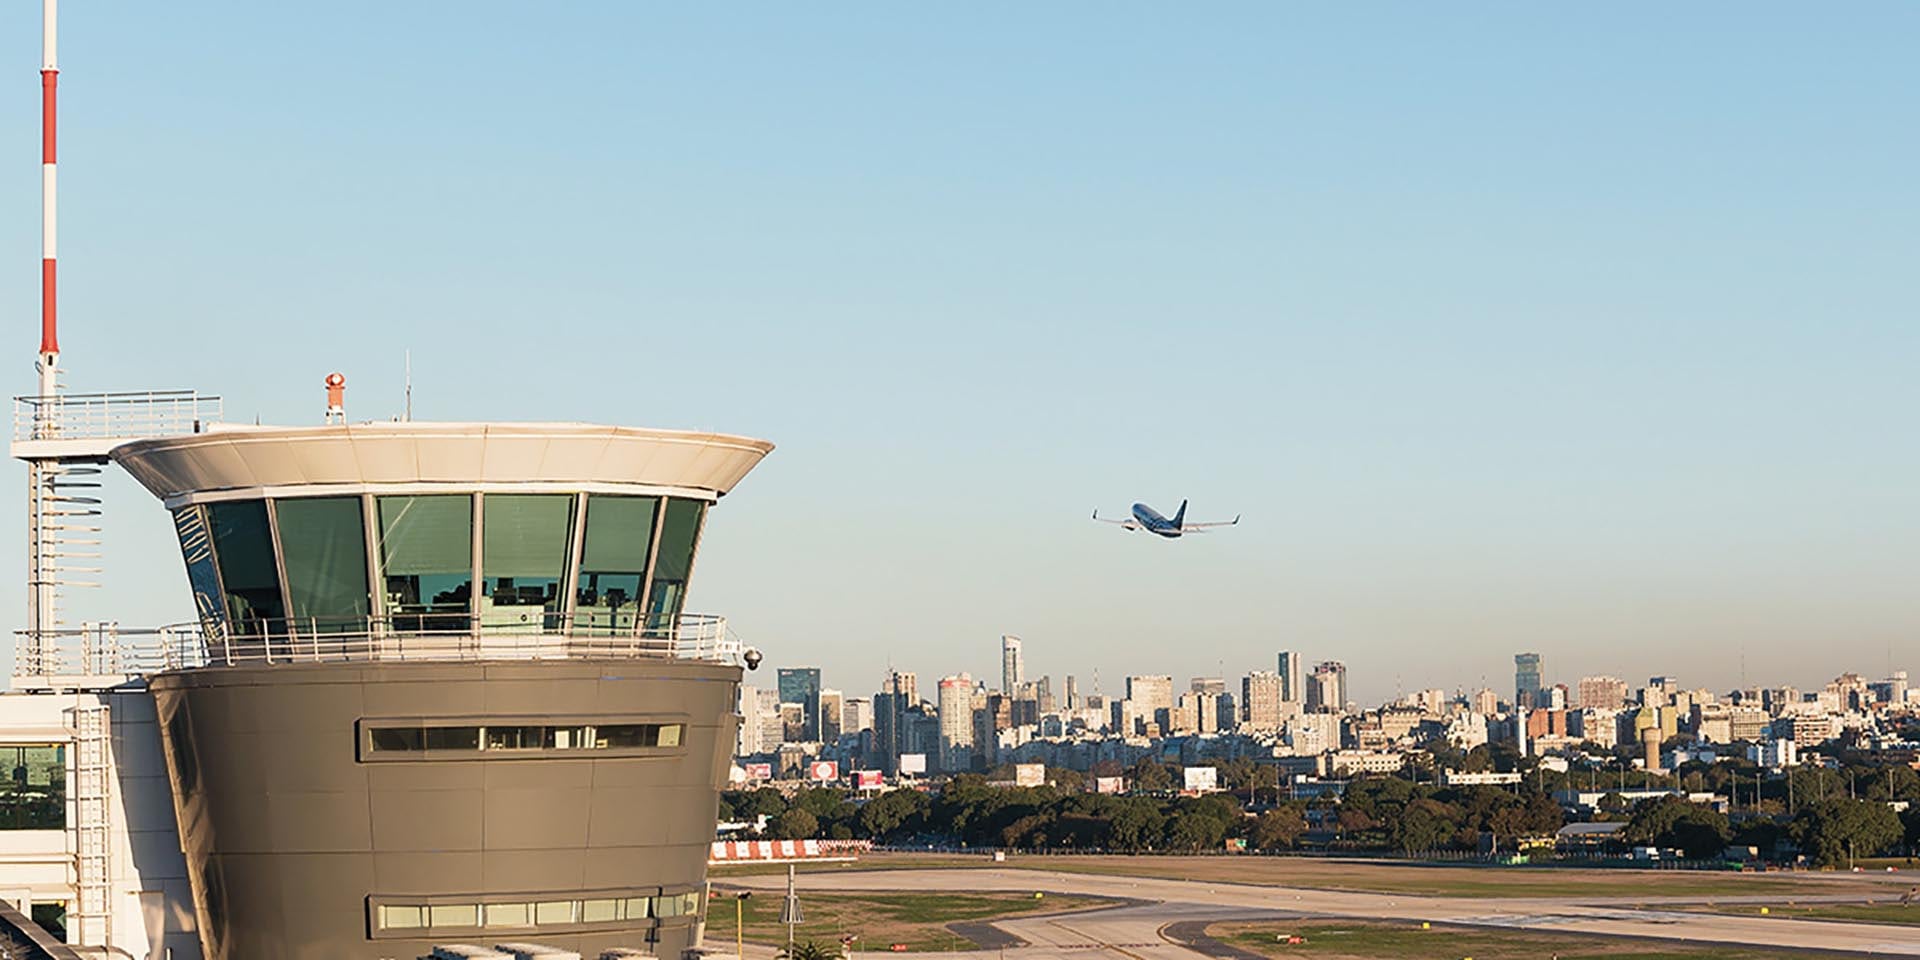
[1138,930]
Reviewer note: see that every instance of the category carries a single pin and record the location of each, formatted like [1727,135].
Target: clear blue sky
[1507,326]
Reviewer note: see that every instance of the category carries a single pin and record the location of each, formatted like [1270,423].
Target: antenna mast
[49,301]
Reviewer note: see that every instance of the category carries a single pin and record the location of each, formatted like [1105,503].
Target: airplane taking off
[1148,519]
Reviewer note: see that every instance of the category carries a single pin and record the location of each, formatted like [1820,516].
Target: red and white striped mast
[49,298]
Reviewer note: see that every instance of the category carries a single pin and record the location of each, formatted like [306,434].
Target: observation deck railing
[113,416]
[107,650]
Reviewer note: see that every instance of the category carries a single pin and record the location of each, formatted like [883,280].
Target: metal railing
[107,650]
[103,416]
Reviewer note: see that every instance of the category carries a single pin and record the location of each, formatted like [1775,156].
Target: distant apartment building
[956,723]
[1604,693]
[1152,698]
[856,715]
[1072,693]
[1207,685]
[1484,702]
[1327,688]
[1260,699]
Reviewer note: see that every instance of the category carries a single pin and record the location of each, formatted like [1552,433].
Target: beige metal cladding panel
[511,458]
[420,820]
[540,818]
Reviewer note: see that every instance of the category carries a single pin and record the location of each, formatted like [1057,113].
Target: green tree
[1425,825]
[1698,831]
[1150,775]
[1193,829]
[1279,828]
[888,815]
[795,824]
[1836,829]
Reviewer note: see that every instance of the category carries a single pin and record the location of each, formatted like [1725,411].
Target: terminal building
[441,690]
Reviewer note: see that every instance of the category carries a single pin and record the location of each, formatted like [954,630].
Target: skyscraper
[1073,693]
[892,708]
[801,685]
[1290,689]
[1260,701]
[956,723]
[1327,688]
[1013,665]
[832,702]
[1528,679]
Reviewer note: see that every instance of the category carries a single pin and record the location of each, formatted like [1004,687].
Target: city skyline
[1495,357]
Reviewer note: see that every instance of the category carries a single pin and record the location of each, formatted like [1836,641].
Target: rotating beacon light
[336,398]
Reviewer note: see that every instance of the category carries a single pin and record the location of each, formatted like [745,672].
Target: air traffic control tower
[441,689]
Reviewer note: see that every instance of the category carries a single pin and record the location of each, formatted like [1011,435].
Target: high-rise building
[892,731]
[1485,702]
[856,715]
[801,685]
[1013,665]
[956,723]
[832,702]
[747,742]
[1290,675]
[1214,686]
[1327,688]
[1604,693]
[1528,679]
[1260,699]
[1073,693]
[1152,698]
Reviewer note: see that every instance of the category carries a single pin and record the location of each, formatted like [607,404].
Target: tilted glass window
[394,739]
[446,914]
[196,547]
[679,534]
[613,564]
[523,558]
[34,794]
[426,557]
[323,541]
[243,549]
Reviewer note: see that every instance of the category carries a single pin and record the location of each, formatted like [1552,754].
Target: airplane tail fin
[1180,515]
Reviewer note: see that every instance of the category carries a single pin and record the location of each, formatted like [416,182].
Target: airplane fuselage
[1151,521]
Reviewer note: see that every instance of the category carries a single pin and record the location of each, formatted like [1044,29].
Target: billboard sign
[1109,785]
[1202,779]
[867,779]
[913,763]
[1029,774]
[759,771]
[825,771]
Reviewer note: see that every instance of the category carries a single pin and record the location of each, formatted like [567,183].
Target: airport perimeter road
[1131,929]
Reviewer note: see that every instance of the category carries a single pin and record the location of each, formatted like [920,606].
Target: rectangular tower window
[243,549]
[324,543]
[679,533]
[426,557]
[523,557]
[34,794]
[613,564]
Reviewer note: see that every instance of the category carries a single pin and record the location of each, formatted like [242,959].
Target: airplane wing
[1198,527]
[1127,524]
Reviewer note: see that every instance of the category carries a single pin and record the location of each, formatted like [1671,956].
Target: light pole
[740,924]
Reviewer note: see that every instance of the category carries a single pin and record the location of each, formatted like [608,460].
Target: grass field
[1351,940]
[1859,912]
[916,919]
[1437,880]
